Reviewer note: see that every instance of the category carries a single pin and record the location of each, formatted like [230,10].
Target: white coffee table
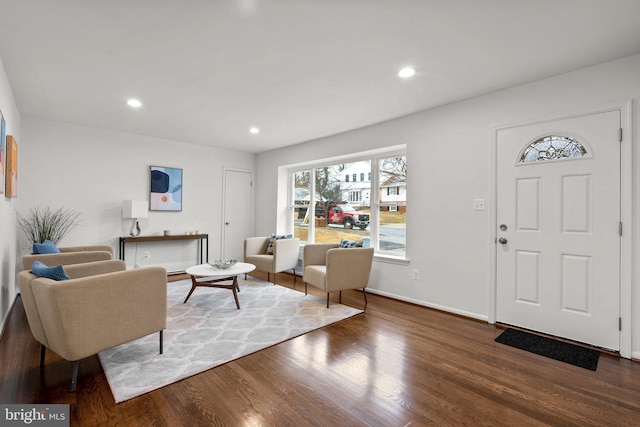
[211,277]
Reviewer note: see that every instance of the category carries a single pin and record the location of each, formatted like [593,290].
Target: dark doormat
[569,353]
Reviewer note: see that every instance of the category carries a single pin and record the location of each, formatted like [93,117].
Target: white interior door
[558,254]
[237,221]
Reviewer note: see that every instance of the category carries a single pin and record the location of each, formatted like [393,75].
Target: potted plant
[46,224]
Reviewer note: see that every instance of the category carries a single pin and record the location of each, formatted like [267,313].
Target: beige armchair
[331,268]
[70,255]
[102,305]
[285,255]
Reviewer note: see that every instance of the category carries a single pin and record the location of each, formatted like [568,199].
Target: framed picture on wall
[11,167]
[166,189]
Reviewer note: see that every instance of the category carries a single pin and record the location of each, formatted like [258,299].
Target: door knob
[227,223]
[502,241]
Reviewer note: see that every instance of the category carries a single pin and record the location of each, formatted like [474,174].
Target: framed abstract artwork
[166,189]
[11,167]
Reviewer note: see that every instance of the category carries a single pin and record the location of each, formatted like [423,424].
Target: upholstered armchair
[331,268]
[101,306]
[284,257]
[70,255]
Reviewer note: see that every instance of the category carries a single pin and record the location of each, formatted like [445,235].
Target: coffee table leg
[194,284]
[235,294]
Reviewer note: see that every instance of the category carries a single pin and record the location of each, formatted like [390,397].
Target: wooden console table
[203,238]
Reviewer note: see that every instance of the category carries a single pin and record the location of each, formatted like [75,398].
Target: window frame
[375,157]
[531,145]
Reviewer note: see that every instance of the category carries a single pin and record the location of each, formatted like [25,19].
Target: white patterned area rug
[209,331]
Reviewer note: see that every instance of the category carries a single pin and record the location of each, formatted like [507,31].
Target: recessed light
[406,72]
[135,103]
[254,130]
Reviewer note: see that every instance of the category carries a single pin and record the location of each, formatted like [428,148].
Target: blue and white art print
[166,189]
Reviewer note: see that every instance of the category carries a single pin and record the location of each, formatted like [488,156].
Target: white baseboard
[6,315]
[430,305]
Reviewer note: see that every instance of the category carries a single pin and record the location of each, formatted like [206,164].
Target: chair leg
[42,351]
[274,279]
[161,341]
[305,288]
[74,376]
[364,292]
[340,297]
[294,278]
[327,299]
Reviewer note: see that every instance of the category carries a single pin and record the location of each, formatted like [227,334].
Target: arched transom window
[553,147]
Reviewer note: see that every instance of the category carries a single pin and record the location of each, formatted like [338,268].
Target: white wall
[8,205]
[93,171]
[449,165]
[449,155]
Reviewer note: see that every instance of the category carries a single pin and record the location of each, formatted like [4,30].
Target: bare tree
[301,179]
[328,187]
[395,168]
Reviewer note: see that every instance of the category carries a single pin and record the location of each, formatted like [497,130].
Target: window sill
[378,257]
[390,259]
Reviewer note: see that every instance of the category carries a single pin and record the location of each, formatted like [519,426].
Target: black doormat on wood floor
[565,352]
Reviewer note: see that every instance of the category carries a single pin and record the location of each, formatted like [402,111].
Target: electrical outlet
[147,255]
[416,274]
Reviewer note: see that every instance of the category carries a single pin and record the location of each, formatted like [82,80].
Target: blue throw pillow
[273,239]
[344,243]
[55,273]
[46,247]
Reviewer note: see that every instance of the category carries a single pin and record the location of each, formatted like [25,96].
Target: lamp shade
[135,209]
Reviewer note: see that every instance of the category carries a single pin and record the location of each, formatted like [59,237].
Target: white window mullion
[292,202]
[312,205]
[374,210]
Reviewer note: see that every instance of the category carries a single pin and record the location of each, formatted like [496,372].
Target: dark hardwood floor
[396,365]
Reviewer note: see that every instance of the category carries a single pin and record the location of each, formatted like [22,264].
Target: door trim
[626,211]
[223,236]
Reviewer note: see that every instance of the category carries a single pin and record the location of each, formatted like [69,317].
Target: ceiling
[206,71]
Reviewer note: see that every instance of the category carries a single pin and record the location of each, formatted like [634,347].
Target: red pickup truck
[347,215]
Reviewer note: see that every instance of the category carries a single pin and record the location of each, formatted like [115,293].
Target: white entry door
[558,217]
[237,212]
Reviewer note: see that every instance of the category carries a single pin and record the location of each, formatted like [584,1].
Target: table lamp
[135,209]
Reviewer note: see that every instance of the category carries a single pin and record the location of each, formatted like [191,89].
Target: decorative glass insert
[553,147]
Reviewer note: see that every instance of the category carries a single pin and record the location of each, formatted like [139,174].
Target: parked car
[347,215]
